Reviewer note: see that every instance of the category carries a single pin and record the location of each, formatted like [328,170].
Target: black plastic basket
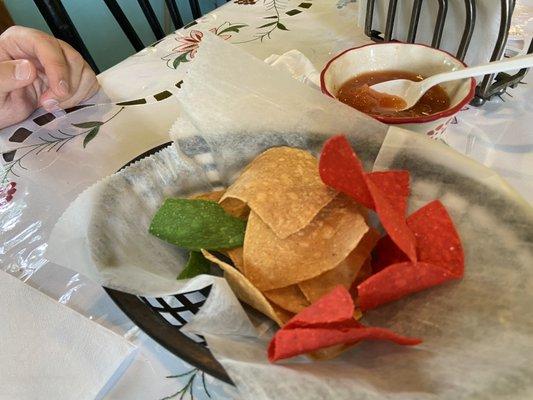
[161,318]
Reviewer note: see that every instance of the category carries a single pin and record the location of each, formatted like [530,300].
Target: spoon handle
[495,66]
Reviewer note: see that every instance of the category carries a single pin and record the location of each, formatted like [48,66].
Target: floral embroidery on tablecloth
[7,191]
[189,44]
[49,142]
[191,376]
[275,21]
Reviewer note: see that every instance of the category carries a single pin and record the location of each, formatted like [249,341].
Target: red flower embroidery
[7,192]
[191,43]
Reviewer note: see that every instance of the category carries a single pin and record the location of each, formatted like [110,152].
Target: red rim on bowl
[406,120]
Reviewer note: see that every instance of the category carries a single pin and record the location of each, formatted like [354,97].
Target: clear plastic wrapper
[477,332]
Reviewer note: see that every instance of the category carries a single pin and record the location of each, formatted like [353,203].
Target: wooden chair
[62,27]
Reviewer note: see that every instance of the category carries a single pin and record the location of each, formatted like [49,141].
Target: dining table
[50,158]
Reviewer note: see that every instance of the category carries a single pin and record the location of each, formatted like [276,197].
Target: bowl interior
[419,59]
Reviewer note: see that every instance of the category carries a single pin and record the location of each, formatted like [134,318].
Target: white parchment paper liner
[478,333]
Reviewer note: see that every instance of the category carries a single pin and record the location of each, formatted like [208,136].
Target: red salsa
[357,93]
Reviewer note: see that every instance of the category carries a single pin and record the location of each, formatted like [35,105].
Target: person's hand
[37,69]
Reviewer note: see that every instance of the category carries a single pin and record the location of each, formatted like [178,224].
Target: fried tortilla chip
[283,188]
[196,265]
[284,315]
[323,326]
[289,298]
[343,274]
[244,290]
[196,224]
[236,257]
[329,353]
[363,274]
[341,169]
[271,262]
[235,207]
[212,196]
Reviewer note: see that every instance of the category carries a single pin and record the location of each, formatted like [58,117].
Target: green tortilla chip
[196,265]
[197,224]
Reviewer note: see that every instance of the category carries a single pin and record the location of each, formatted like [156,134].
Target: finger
[52,58]
[87,88]
[16,74]
[43,50]
[76,65]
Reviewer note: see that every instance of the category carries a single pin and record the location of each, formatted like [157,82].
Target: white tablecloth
[50,160]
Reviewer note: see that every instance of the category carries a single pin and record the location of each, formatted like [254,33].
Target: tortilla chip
[284,315]
[400,280]
[212,196]
[197,224]
[336,307]
[283,188]
[244,290]
[395,185]
[340,168]
[326,328]
[440,259]
[196,265]
[328,353]
[271,262]
[343,274]
[289,298]
[364,273]
[236,257]
[235,207]
[288,343]
[393,220]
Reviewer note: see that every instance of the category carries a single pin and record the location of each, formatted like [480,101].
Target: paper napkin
[49,351]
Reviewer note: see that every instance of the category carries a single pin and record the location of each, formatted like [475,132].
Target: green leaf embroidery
[234,28]
[271,17]
[265,25]
[282,27]
[197,265]
[181,58]
[197,224]
[90,136]
[89,124]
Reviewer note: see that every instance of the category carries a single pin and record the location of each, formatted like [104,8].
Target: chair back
[62,27]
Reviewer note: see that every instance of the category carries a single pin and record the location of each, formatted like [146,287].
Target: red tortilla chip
[386,253]
[385,192]
[327,322]
[440,256]
[437,241]
[289,298]
[399,280]
[334,307]
[393,221]
[340,169]
[292,342]
[394,185]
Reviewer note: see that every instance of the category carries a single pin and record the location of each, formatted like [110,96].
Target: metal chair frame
[491,85]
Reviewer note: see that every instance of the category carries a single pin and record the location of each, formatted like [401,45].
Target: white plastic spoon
[411,91]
